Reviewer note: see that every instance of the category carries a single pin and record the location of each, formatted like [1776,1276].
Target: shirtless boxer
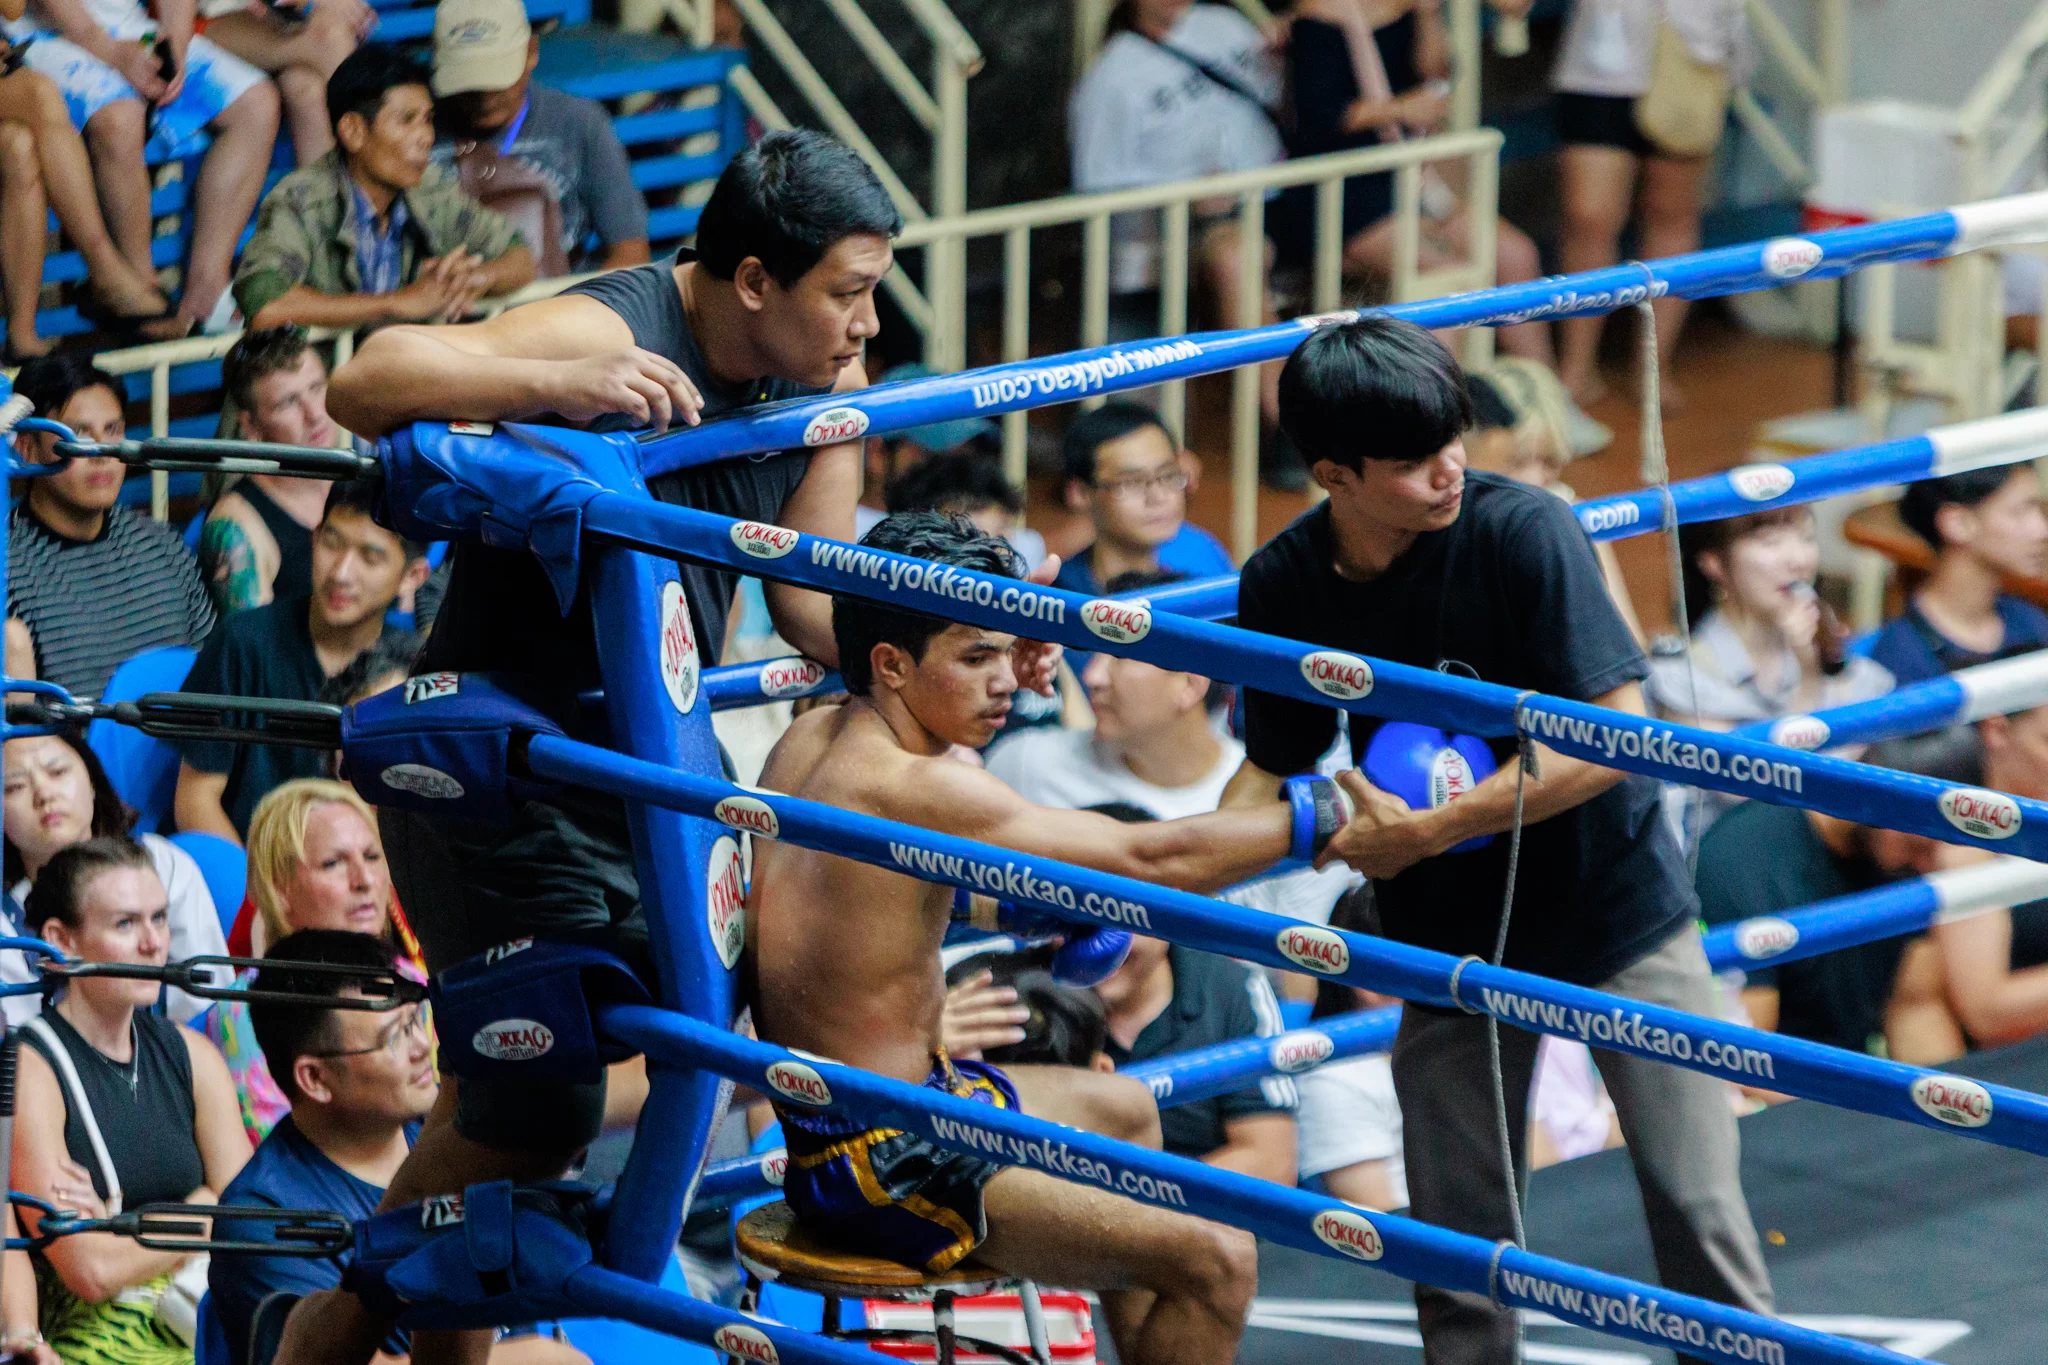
[845,961]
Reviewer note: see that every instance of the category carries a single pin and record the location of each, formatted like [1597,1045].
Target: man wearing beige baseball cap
[484,92]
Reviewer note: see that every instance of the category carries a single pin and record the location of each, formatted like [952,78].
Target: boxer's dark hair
[1379,388]
[859,624]
[787,200]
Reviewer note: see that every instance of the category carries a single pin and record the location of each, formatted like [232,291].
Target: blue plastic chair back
[225,868]
[144,771]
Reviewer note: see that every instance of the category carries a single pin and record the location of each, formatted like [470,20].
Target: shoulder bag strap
[61,1058]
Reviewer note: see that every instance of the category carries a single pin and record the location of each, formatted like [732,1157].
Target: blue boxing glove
[1086,958]
[1090,957]
[1428,768]
[1321,808]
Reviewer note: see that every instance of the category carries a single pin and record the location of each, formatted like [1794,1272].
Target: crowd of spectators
[296,592]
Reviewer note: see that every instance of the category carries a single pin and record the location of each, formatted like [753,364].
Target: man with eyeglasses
[360,1082]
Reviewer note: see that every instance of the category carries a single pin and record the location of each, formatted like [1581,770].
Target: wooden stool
[772,1247]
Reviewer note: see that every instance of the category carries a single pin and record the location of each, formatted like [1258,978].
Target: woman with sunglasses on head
[54,793]
[315,862]
[117,1107]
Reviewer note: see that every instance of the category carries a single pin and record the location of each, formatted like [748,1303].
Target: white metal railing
[1481,149]
[1015,224]
[1822,78]
[161,357]
[937,309]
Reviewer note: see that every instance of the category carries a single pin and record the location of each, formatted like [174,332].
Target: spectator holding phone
[139,83]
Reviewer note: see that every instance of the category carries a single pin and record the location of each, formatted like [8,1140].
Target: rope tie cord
[1525,768]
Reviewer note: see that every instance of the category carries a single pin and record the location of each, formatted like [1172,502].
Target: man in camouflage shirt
[373,232]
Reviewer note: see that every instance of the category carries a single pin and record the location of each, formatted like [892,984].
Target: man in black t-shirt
[1414,560]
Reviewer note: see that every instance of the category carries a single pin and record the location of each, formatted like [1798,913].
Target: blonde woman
[315,862]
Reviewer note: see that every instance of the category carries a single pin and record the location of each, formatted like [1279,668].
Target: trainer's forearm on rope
[1560,783]
[405,374]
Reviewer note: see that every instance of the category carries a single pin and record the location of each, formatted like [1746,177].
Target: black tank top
[499,613]
[147,1126]
[294,544]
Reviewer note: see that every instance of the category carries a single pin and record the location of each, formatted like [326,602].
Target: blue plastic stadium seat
[212,1346]
[144,771]
[225,868]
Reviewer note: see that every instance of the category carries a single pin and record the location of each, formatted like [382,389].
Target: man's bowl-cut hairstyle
[1091,431]
[789,199]
[1923,501]
[366,76]
[859,624]
[1379,388]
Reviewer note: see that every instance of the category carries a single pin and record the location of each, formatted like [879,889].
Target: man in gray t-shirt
[484,59]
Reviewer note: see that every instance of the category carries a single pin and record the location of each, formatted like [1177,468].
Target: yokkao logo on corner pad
[1761,482]
[1301,1050]
[791,677]
[1335,674]
[748,813]
[775,1166]
[1787,258]
[1318,949]
[794,1080]
[762,540]
[1982,814]
[1953,1100]
[725,898]
[1801,732]
[679,662]
[421,780]
[1765,936]
[834,425]
[746,1343]
[1120,623]
[1348,1232]
[513,1040]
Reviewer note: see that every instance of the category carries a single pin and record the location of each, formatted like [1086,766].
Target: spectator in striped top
[92,583]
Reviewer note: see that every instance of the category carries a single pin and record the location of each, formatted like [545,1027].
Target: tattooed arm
[229,562]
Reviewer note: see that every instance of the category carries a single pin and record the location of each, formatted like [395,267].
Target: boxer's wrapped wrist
[1320,808]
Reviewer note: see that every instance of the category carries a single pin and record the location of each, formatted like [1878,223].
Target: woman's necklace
[132,1072]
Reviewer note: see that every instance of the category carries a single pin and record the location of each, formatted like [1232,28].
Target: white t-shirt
[195,930]
[1348,1114]
[1068,770]
[1142,116]
[1609,46]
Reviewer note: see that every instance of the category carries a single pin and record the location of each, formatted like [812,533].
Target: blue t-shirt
[287,1172]
[1915,651]
[1192,551]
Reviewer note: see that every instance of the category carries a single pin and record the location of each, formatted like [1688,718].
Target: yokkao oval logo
[1953,1100]
[513,1040]
[794,1080]
[1343,676]
[679,661]
[1761,482]
[791,677]
[1801,732]
[834,425]
[1300,1050]
[746,1343]
[761,540]
[421,780]
[725,900]
[750,814]
[1450,777]
[1120,623]
[1318,949]
[775,1166]
[1765,936]
[1787,258]
[1981,814]
[1348,1232]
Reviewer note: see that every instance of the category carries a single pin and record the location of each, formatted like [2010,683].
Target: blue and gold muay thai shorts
[888,1193]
